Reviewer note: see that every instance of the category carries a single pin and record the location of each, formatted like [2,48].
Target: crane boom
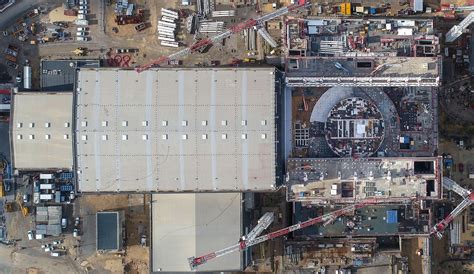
[468,196]
[243,244]
[249,23]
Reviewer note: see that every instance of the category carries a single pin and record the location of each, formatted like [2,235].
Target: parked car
[58,242]
[25,198]
[77,221]
[82,38]
[83,7]
[81,33]
[55,254]
[81,28]
[30,235]
[82,12]
[75,233]
[63,223]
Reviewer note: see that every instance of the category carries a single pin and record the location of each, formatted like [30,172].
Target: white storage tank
[27,77]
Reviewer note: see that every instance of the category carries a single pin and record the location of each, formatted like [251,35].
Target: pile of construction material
[223,13]
[122,7]
[207,26]
[167,28]
[204,7]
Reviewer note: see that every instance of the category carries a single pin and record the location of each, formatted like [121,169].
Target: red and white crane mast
[229,32]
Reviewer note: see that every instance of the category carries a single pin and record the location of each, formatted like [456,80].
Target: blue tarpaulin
[392,217]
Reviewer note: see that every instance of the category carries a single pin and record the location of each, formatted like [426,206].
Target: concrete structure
[194,129]
[41,136]
[186,225]
[347,180]
[109,231]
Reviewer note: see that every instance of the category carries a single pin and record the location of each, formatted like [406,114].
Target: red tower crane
[227,33]
[245,243]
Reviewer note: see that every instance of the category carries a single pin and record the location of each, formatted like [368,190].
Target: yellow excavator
[23,208]
[80,51]
[18,200]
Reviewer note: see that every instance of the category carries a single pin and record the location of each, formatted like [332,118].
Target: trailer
[10,58]
[140,27]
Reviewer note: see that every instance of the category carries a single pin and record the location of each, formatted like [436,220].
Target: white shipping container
[46,176]
[46,196]
[46,186]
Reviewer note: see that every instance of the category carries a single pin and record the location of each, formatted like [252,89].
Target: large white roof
[186,225]
[194,129]
[41,131]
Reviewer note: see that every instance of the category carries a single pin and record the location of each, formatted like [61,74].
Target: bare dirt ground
[135,258]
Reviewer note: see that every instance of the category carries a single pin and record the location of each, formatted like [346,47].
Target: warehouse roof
[194,129]
[60,75]
[108,231]
[41,130]
[199,224]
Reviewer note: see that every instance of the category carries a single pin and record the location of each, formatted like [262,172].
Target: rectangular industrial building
[109,231]
[194,129]
[187,225]
[41,135]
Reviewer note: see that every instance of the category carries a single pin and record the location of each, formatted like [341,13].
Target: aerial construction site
[257,136]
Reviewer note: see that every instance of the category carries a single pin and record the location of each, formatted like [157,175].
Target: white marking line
[212,124]
[181,116]
[245,148]
[148,111]
[97,157]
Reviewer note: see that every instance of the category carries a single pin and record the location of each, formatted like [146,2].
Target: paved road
[12,13]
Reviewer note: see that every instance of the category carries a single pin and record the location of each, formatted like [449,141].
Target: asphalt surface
[4,140]
[12,13]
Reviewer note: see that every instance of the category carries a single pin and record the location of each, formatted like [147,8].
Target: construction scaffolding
[362,81]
